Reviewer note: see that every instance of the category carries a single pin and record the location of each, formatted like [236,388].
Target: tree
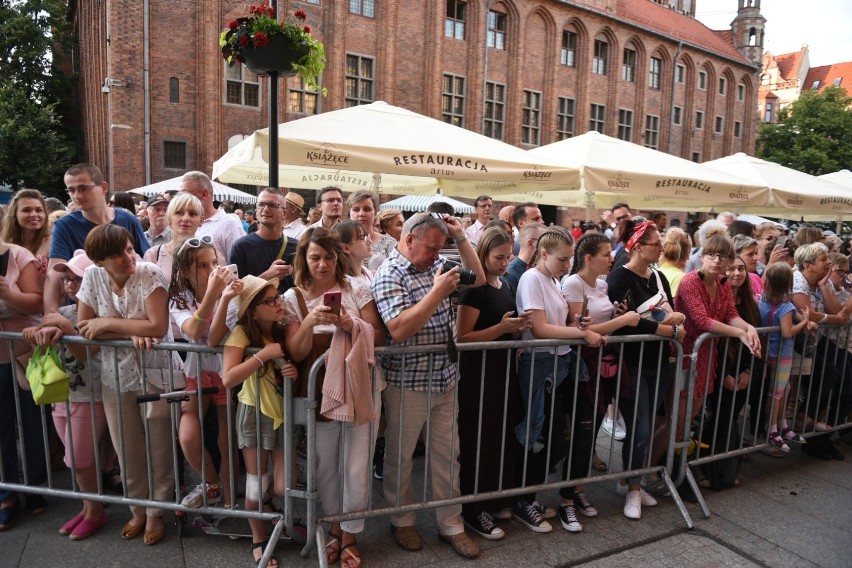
[35,148]
[812,134]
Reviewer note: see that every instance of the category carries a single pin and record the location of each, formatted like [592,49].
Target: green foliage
[812,134]
[35,148]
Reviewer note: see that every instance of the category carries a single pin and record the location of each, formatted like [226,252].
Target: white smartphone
[232,268]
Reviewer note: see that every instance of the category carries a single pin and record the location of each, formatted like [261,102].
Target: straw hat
[78,263]
[295,200]
[252,285]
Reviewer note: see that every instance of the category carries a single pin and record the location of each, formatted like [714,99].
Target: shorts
[210,379]
[270,439]
[80,426]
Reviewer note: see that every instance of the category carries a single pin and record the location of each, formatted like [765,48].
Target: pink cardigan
[347,391]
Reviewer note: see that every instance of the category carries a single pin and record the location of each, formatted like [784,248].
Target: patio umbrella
[409,154]
[221,192]
[422,202]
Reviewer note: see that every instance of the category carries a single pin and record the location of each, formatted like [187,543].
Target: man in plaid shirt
[412,296]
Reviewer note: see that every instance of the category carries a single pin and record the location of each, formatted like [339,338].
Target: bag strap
[283,248]
[660,288]
[303,307]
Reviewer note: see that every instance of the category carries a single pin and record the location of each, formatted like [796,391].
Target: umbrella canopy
[422,202]
[221,192]
[843,177]
[412,153]
[613,170]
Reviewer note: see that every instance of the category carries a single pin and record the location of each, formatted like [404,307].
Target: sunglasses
[196,242]
[425,218]
[71,280]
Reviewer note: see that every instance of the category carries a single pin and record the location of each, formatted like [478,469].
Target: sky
[825,25]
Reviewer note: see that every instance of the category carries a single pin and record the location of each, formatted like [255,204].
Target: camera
[467,277]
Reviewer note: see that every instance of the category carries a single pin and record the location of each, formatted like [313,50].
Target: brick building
[156,98]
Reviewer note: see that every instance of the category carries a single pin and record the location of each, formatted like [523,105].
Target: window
[628,66]
[301,100]
[767,117]
[599,61]
[720,123]
[565,118]
[837,81]
[764,79]
[174,90]
[597,120]
[454,24]
[496,30]
[363,7]
[359,80]
[696,157]
[313,2]
[680,73]
[741,92]
[174,155]
[699,119]
[625,125]
[569,48]
[702,80]
[652,131]
[241,86]
[654,71]
[452,100]
[816,85]
[738,129]
[677,115]
[495,102]
[723,86]
[531,123]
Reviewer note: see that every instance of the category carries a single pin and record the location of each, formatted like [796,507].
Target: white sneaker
[608,426]
[620,429]
[647,499]
[633,505]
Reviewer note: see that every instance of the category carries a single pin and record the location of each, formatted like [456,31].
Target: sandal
[273,562]
[332,547]
[597,463]
[350,558]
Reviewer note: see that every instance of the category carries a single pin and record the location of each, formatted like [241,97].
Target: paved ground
[793,512]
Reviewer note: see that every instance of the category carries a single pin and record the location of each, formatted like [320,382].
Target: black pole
[273,116]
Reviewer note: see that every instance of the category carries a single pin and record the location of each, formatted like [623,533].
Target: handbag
[47,377]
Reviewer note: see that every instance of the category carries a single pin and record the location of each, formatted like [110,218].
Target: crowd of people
[278,293]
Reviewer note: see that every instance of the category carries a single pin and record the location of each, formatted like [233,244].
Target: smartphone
[290,258]
[232,268]
[332,300]
[782,242]
[628,297]
[584,309]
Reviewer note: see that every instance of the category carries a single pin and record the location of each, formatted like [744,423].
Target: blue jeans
[648,386]
[31,433]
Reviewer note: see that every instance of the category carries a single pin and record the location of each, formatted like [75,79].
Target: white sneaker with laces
[633,505]
[647,499]
[608,426]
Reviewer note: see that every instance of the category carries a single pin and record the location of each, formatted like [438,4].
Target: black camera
[467,277]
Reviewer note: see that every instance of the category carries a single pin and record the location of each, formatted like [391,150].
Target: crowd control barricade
[487,429]
[734,422]
[160,415]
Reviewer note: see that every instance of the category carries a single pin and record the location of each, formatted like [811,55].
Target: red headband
[638,231]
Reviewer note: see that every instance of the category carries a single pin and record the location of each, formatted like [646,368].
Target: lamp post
[273,116]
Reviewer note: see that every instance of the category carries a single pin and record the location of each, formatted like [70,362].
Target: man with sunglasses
[89,191]
[223,227]
[267,252]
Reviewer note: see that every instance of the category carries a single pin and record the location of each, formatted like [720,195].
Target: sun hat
[295,200]
[78,263]
[252,286]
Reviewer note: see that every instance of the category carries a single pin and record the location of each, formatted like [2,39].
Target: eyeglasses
[621,218]
[484,206]
[654,244]
[70,280]
[333,200]
[841,272]
[713,256]
[196,242]
[367,239]
[272,301]
[80,188]
[269,205]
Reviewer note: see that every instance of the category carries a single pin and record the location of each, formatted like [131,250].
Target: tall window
[597,119]
[599,62]
[720,124]
[741,92]
[359,80]
[174,155]
[569,48]
[242,87]
[496,30]
[495,102]
[456,16]
[625,125]
[677,115]
[301,100]
[680,73]
[174,90]
[565,118]
[628,66]
[738,129]
[363,7]
[768,116]
[652,131]
[699,119]
[696,157]
[531,123]
[702,80]
[655,69]
[452,100]
[723,86]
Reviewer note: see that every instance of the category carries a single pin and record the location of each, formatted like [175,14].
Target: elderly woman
[674,255]
[363,206]
[747,249]
[391,222]
[812,290]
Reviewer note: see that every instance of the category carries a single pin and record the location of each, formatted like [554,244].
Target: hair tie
[640,230]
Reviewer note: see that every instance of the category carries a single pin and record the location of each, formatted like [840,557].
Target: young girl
[357,246]
[259,311]
[197,283]
[776,309]
[73,420]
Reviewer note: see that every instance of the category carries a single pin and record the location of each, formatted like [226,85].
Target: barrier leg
[664,474]
[697,491]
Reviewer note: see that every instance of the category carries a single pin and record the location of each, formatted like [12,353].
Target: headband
[640,230]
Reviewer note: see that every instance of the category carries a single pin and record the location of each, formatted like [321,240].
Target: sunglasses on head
[196,242]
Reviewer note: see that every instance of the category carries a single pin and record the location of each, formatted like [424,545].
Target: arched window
[752,36]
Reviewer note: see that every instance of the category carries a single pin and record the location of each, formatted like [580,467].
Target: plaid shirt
[398,286]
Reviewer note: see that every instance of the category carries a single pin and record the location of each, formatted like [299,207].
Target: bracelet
[675,332]
[259,360]
[461,239]
[201,319]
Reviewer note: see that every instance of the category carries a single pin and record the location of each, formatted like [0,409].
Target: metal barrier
[820,387]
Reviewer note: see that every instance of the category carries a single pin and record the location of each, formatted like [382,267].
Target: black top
[492,304]
[254,255]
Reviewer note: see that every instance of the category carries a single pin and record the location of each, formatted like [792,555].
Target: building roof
[662,20]
[828,74]
[789,64]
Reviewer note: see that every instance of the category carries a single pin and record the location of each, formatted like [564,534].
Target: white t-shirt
[539,292]
[600,308]
[224,229]
[208,361]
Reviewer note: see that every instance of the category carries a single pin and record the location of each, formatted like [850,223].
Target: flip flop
[348,556]
[332,547]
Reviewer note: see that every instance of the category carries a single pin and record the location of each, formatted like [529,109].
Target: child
[73,420]
[776,309]
[260,313]
[196,285]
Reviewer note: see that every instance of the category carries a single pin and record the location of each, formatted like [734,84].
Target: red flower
[233,25]
[307,29]
[301,14]
[260,39]
[244,40]
[252,9]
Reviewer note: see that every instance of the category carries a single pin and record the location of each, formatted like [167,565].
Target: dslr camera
[467,277]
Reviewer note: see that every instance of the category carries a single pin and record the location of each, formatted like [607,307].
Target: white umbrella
[221,192]
[414,154]
[843,177]
[422,202]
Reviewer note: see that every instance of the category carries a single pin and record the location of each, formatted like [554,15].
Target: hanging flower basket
[277,56]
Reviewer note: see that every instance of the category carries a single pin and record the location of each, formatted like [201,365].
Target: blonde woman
[675,252]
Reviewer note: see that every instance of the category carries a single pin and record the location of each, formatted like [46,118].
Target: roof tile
[827,74]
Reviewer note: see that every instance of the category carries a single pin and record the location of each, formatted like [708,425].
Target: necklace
[645,279]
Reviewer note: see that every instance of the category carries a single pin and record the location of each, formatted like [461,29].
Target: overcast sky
[825,25]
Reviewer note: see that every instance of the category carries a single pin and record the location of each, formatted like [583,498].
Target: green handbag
[47,377]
